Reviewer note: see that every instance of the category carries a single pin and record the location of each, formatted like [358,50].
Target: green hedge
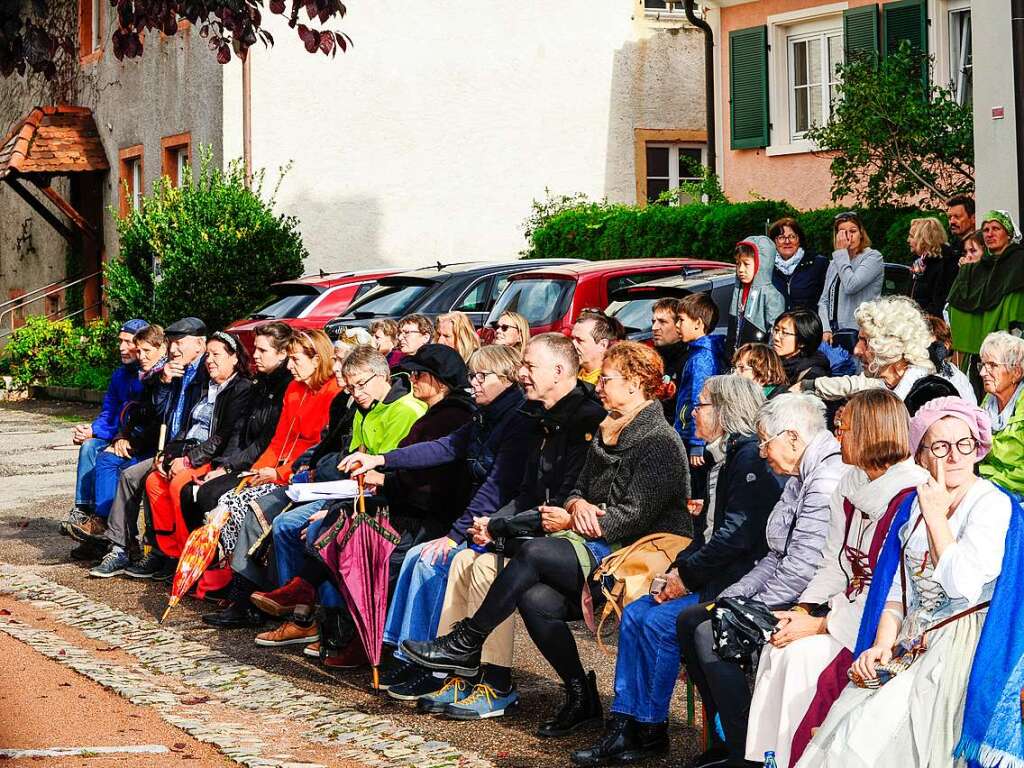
[599,231]
[60,353]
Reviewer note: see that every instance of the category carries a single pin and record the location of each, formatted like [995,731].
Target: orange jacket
[303,418]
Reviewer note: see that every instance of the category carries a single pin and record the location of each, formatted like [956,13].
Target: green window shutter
[860,30]
[748,87]
[906,20]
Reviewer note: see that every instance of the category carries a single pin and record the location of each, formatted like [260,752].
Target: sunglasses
[504,327]
[846,216]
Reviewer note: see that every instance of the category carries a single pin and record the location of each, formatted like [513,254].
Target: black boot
[619,742]
[240,612]
[582,707]
[336,630]
[457,652]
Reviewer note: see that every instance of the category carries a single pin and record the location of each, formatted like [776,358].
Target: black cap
[441,362]
[187,326]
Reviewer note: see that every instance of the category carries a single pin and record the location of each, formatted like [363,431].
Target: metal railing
[11,306]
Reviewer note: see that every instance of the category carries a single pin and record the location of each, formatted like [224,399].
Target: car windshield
[290,305]
[387,301]
[634,315]
[540,300]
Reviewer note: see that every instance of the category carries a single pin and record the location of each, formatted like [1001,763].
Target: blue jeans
[85,483]
[415,609]
[290,550]
[105,476]
[647,666]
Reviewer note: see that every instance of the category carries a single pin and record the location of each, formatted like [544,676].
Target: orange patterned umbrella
[196,556]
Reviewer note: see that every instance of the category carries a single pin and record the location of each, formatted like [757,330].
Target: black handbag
[740,627]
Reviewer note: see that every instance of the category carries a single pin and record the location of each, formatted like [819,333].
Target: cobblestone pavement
[258,707]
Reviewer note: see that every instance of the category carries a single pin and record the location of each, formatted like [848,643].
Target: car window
[635,315]
[476,298]
[387,300]
[624,281]
[541,300]
[499,285]
[284,307]
[334,301]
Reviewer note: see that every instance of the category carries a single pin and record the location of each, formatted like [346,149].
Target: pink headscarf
[974,417]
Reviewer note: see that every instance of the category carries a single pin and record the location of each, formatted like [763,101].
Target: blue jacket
[124,388]
[494,445]
[706,358]
[803,288]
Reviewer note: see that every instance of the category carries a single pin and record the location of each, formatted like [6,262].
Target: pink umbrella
[357,550]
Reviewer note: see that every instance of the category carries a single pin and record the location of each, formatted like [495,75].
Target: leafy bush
[60,353]
[599,231]
[209,248]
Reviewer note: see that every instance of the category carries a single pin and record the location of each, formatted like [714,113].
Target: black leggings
[722,684]
[544,581]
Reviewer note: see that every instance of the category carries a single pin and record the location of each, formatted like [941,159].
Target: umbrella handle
[168,610]
[376,678]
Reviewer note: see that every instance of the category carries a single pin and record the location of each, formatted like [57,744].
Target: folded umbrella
[197,554]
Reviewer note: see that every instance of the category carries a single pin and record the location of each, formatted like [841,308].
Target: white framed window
[135,174]
[96,25]
[813,61]
[664,7]
[181,161]
[960,59]
[669,165]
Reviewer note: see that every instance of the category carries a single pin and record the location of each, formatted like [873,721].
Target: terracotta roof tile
[60,139]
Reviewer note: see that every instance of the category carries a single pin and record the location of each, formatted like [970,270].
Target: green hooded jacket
[1004,464]
[380,429]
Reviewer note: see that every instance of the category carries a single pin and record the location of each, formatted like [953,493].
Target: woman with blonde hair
[934,268]
[512,330]
[854,276]
[455,330]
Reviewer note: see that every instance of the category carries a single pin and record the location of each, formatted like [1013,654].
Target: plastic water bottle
[769,760]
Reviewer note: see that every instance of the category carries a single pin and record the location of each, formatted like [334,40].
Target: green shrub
[60,353]
[215,245]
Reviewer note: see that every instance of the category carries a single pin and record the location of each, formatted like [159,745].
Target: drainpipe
[709,79]
[247,118]
[1017,27]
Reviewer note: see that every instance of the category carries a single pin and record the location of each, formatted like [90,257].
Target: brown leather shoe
[289,633]
[312,650]
[91,530]
[352,656]
[283,601]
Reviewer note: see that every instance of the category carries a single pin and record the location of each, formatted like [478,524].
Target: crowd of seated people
[826,469]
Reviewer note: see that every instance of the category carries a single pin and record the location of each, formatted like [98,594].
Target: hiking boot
[289,633]
[114,563]
[312,650]
[236,616]
[418,685]
[483,703]
[75,516]
[92,529]
[155,566]
[352,656]
[624,741]
[88,552]
[457,652]
[283,601]
[582,707]
[454,691]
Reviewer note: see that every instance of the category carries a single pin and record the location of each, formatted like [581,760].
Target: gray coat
[848,284]
[780,577]
[643,481]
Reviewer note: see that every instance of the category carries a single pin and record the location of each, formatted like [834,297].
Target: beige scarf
[616,421]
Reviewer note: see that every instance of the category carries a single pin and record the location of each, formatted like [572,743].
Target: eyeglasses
[603,380]
[480,376]
[777,331]
[764,443]
[741,369]
[362,384]
[989,365]
[698,405]
[940,449]
[410,332]
[846,216]
[787,237]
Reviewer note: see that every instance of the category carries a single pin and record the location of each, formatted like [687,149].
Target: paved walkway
[254,707]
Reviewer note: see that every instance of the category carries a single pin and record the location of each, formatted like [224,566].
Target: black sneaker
[418,685]
[152,566]
[88,552]
[396,671]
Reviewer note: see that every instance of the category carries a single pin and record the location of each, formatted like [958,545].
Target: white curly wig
[896,330]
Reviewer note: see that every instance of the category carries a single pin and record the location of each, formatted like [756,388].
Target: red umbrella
[195,557]
[357,550]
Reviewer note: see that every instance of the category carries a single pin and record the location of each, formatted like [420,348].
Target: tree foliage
[32,36]
[892,138]
[209,248]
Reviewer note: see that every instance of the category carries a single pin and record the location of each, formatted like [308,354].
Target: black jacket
[335,437]
[156,409]
[564,433]
[257,426]
[229,411]
[747,491]
[802,368]
[930,289]
[673,356]
[803,288]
